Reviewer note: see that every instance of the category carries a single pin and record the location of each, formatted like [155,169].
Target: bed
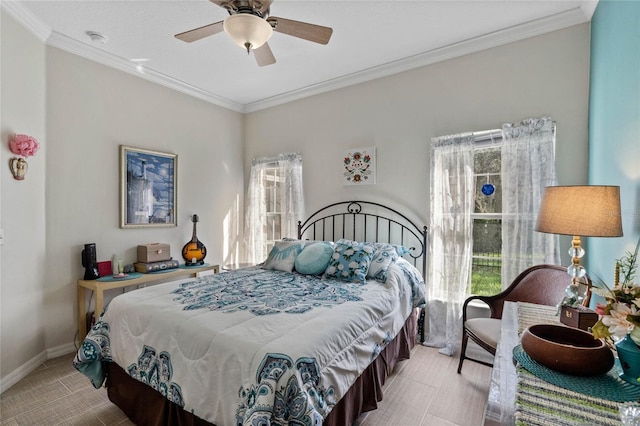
[269,344]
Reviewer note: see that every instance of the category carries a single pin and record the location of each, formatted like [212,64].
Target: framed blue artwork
[148,188]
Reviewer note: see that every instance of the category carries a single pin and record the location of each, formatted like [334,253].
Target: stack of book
[154,257]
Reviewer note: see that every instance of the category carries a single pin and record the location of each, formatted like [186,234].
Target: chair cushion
[486,329]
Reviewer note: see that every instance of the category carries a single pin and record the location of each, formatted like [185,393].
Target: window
[465,222]
[274,204]
[271,180]
[486,261]
[511,169]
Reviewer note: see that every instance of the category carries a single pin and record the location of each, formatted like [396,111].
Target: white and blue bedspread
[252,346]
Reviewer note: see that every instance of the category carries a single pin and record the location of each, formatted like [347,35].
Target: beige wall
[90,110]
[400,114]
[22,257]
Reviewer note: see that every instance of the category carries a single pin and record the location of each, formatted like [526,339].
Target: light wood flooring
[425,390]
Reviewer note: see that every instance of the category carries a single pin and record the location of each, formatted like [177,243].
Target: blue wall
[614,124]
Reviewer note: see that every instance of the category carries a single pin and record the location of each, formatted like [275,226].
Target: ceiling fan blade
[311,32]
[202,32]
[264,55]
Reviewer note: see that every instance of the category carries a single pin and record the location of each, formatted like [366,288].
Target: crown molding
[78,48]
[508,35]
[533,28]
[52,38]
[27,19]
[588,8]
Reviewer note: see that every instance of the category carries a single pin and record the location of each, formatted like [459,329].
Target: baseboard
[61,350]
[28,367]
[23,371]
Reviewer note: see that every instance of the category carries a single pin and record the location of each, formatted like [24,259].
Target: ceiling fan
[250,26]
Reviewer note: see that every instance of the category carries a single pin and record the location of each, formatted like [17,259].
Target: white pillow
[283,255]
[385,256]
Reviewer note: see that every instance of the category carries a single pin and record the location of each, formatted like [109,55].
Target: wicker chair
[540,284]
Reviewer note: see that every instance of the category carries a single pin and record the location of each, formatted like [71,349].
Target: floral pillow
[385,256]
[350,261]
[283,255]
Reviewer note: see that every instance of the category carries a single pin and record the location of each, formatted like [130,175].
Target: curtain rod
[279,157]
[485,137]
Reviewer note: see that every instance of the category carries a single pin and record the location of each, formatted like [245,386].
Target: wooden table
[99,288]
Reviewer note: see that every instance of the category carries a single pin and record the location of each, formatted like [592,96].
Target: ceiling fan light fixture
[248,31]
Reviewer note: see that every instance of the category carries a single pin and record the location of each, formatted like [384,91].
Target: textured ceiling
[370,39]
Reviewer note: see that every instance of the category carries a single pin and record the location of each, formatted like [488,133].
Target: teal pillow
[314,259]
[350,261]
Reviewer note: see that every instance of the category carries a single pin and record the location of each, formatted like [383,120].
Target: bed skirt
[145,406]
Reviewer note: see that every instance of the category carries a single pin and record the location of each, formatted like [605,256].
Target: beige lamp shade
[588,211]
[248,31]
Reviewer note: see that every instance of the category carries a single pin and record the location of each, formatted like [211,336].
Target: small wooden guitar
[194,251]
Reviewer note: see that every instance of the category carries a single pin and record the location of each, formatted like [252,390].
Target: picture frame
[148,188]
[359,166]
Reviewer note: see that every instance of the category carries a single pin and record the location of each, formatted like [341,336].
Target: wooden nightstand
[100,286]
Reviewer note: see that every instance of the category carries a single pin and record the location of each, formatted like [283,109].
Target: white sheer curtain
[528,165]
[291,201]
[291,194]
[451,239]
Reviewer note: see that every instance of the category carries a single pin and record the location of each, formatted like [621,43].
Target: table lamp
[587,211]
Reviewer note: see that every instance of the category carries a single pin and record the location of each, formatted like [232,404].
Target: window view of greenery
[487,223]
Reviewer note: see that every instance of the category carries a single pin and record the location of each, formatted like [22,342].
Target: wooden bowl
[567,350]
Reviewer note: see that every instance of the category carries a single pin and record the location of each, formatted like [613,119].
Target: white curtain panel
[256,213]
[451,240]
[291,194]
[528,165]
[291,202]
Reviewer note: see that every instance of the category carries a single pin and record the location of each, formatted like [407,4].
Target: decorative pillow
[350,261]
[385,256]
[401,250]
[314,258]
[283,255]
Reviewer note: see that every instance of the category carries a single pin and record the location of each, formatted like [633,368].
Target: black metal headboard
[367,221]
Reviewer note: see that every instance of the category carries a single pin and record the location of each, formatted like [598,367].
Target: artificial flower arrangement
[621,313]
[24,145]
